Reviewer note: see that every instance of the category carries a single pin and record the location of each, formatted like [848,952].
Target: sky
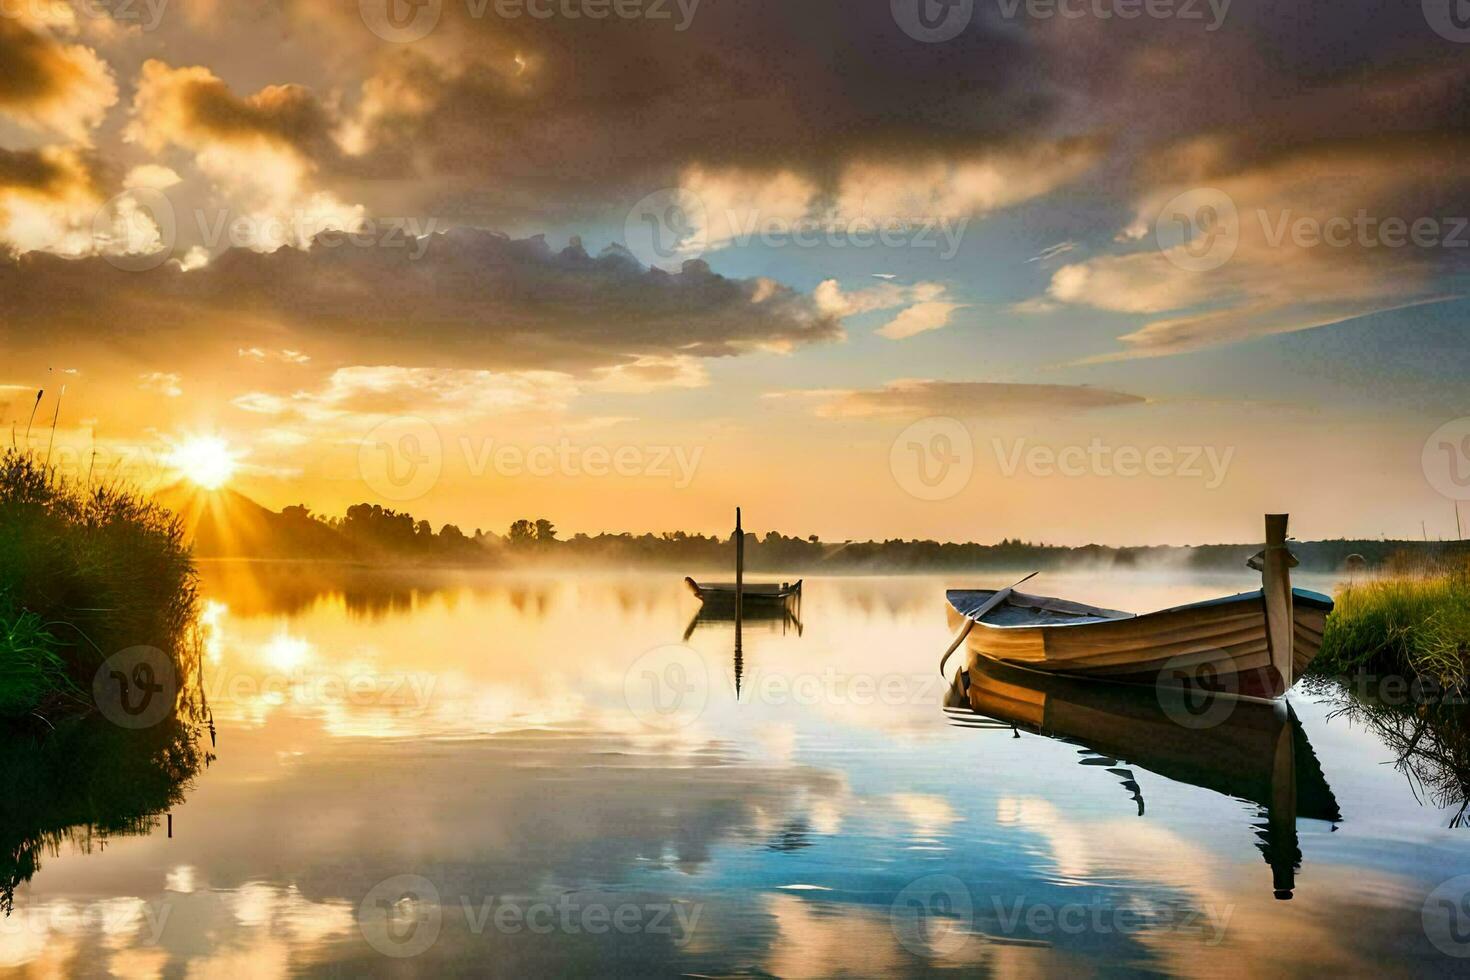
[1066,270]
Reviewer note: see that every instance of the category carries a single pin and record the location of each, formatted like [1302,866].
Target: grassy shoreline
[85,572]
[1415,624]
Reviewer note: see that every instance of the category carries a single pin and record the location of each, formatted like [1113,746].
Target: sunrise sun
[207,461]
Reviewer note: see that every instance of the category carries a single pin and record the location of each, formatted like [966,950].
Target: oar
[972,618]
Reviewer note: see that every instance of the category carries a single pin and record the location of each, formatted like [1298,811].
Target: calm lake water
[478,773]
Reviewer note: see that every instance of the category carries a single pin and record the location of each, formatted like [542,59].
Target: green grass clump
[31,668]
[85,571]
[1415,624]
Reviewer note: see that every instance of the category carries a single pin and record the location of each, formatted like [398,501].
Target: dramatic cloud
[261,152]
[1316,235]
[193,108]
[555,99]
[49,199]
[460,299]
[924,203]
[47,84]
[965,399]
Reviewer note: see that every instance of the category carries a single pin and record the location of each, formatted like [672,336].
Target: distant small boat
[752,593]
[1254,644]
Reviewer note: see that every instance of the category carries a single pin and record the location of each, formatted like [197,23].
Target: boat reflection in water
[1253,751]
[767,617]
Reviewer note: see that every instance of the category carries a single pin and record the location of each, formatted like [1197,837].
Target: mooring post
[1276,589]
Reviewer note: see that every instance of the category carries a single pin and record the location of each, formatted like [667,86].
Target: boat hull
[1219,645]
[755,593]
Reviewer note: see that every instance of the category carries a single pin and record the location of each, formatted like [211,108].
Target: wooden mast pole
[739,567]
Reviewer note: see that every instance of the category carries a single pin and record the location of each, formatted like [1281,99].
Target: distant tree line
[370,531]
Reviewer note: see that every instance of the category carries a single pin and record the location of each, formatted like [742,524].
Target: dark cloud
[1280,74]
[509,115]
[35,66]
[191,106]
[465,298]
[762,84]
[43,82]
[48,173]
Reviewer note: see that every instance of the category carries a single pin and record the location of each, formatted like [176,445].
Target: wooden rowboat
[739,594]
[752,593]
[1254,644]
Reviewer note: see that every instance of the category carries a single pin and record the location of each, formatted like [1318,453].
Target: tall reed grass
[1414,623]
[85,571]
